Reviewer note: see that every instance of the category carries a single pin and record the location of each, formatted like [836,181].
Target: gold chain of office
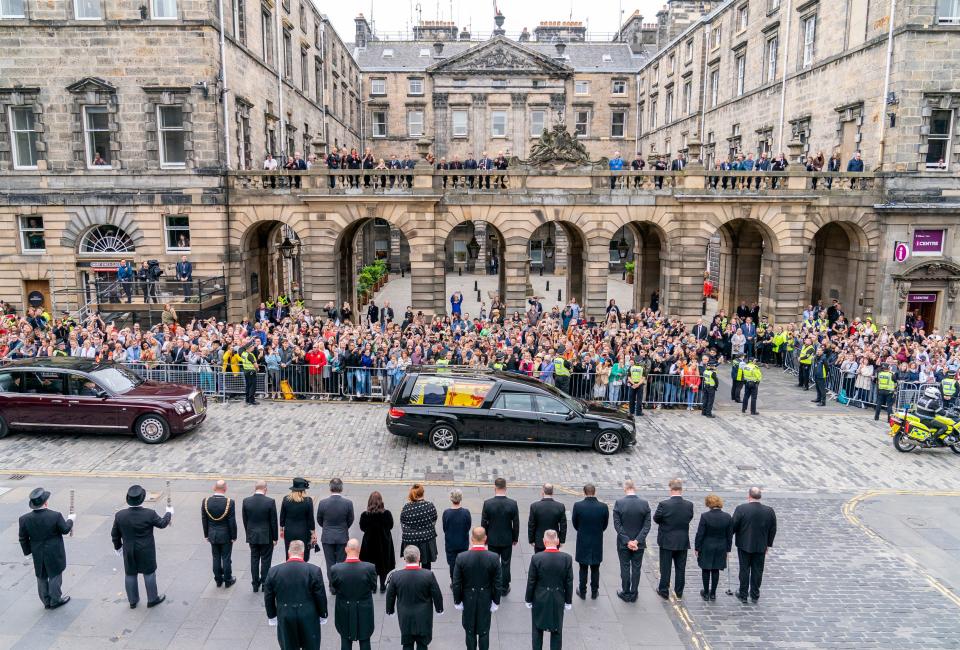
[226,511]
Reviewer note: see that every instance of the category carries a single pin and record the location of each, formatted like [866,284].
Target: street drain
[746,468]
[16,477]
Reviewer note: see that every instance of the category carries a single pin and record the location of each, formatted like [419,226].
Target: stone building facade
[883,243]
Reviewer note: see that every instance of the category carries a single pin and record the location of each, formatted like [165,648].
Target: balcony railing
[453,183]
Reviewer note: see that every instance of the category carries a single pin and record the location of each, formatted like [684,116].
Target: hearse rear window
[449,391]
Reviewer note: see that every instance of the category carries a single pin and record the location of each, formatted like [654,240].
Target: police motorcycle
[916,428]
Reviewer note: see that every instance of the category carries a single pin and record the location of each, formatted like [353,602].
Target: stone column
[319,268]
[427,284]
[595,270]
[479,124]
[681,282]
[441,118]
[480,232]
[516,269]
[395,255]
[519,124]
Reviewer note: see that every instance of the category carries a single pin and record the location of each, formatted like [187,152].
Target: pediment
[500,55]
[936,269]
[91,84]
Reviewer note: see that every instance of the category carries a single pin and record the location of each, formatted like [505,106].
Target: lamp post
[473,251]
[290,250]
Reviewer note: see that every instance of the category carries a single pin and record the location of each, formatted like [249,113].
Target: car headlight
[182,407]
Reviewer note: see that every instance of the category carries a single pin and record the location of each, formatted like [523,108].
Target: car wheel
[4,429]
[955,448]
[152,429]
[607,443]
[443,437]
[901,444]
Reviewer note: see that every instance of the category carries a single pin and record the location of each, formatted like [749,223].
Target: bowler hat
[38,497]
[300,484]
[136,495]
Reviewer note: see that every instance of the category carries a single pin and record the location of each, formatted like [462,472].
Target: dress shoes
[219,583]
[625,597]
[742,598]
[754,599]
[256,587]
[63,601]
[229,582]
[582,594]
[594,595]
[704,594]
[154,603]
[678,594]
[663,594]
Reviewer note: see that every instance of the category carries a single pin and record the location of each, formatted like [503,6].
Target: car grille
[198,405]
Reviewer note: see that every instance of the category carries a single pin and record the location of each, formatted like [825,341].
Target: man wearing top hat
[133,540]
[41,535]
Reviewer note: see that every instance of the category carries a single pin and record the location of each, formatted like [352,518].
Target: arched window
[106,239]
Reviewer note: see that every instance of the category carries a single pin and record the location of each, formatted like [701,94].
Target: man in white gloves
[549,591]
[41,535]
[414,593]
[132,535]
[296,601]
[476,589]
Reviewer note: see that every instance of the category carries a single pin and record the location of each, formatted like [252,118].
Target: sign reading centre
[921,297]
[928,242]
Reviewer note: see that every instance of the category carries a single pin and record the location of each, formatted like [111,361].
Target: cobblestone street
[847,571]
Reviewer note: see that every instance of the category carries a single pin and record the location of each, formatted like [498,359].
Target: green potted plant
[629,267]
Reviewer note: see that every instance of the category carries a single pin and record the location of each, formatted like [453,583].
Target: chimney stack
[438,49]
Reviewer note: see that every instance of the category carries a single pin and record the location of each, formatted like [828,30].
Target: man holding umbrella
[41,535]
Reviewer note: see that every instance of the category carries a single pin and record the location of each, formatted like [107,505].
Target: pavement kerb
[850,513]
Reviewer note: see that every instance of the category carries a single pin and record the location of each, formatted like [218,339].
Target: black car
[447,407]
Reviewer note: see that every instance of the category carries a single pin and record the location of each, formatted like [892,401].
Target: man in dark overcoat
[260,526]
[631,521]
[549,591]
[218,515]
[41,535]
[414,594]
[353,583]
[296,601]
[132,536]
[673,517]
[755,527]
[546,514]
[590,518]
[476,589]
[501,519]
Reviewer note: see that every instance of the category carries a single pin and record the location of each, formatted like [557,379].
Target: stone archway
[265,270]
[473,254]
[929,288]
[837,268]
[747,263]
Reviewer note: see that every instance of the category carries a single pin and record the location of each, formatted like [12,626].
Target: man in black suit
[470,164]
[353,583]
[484,164]
[415,594]
[590,518]
[185,275]
[296,601]
[631,521]
[218,514]
[41,535]
[260,526]
[132,536]
[546,514]
[335,516]
[700,330]
[755,526]
[673,517]
[549,591]
[501,519]
[476,589]
[262,313]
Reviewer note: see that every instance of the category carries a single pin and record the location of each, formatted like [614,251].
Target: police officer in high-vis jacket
[948,390]
[750,375]
[886,386]
[710,384]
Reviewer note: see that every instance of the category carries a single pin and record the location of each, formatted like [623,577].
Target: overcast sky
[395,16]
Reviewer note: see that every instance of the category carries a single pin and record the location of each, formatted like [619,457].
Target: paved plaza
[856,563]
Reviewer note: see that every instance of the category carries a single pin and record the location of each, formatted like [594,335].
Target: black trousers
[751,573]
[630,565]
[333,553]
[709,395]
[804,376]
[414,641]
[452,558]
[750,389]
[49,589]
[635,397]
[505,553]
[821,385]
[128,290]
[884,400]
[222,561]
[261,558]
[735,389]
[711,578]
[594,570]
[250,385]
[478,639]
[676,560]
[556,639]
[347,644]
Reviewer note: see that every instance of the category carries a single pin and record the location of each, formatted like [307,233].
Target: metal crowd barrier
[659,390]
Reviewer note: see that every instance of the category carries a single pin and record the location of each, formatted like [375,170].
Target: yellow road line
[695,636]
[849,511]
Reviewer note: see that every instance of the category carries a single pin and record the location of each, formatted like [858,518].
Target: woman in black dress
[713,541]
[418,526]
[376,522]
[296,518]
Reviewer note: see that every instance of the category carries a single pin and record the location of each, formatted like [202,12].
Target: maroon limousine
[67,394]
